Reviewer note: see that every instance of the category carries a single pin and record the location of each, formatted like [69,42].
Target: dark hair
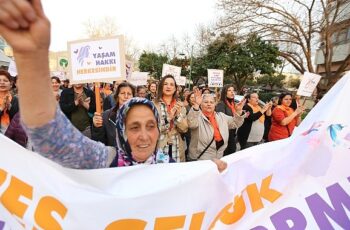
[283,95]
[120,86]
[224,92]
[57,79]
[188,98]
[161,85]
[139,87]
[153,82]
[6,74]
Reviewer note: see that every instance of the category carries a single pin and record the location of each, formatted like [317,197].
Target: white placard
[97,60]
[60,74]
[181,80]
[12,68]
[172,70]
[138,78]
[215,77]
[308,84]
[128,68]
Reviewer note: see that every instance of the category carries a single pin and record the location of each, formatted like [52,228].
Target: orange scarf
[256,109]
[169,107]
[5,118]
[287,110]
[231,106]
[212,120]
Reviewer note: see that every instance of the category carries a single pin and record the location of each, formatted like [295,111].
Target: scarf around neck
[212,120]
[231,104]
[5,118]
[286,109]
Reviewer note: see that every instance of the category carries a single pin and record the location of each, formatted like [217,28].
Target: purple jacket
[16,132]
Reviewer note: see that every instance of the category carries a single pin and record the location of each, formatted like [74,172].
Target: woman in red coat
[284,118]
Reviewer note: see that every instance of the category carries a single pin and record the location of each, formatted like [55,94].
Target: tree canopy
[153,63]
[239,60]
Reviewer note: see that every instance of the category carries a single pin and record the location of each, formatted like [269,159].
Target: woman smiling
[8,103]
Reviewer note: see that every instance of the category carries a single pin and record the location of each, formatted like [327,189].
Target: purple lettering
[320,209]
[2,225]
[279,219]
[259,228]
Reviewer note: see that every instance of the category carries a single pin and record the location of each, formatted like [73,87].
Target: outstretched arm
[25,27]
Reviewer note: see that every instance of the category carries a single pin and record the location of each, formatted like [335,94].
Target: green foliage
[294,83]
[152,63]
[238,60]
[266,97]
[271,80]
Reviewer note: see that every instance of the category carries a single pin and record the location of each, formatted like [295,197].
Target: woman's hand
[300,110]
[239,106]
[197,98]
[220,164]
[24,26]
[97,120]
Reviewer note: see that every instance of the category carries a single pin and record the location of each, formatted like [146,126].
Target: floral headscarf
[124,156]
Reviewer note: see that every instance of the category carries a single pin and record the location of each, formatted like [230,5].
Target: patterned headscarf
[124,156]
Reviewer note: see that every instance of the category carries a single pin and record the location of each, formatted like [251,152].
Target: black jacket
[67,101]
[244,131]
[231,144]
[107,133]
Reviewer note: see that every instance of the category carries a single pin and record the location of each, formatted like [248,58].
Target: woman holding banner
[210,129]
[26,28]
[284,118]
[173,119]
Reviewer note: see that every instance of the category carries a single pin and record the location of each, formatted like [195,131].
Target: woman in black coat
[226,105]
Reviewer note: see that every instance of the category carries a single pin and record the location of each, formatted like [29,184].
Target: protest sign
[215,78]
[308,84]
[172,70]
[181,80]
[138,78]
[97,60]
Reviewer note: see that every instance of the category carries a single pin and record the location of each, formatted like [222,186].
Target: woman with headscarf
[8,102]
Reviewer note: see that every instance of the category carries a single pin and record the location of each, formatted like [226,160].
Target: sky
[147,22]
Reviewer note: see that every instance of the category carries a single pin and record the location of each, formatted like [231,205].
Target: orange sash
[231,106]
[212,120]
[5,118]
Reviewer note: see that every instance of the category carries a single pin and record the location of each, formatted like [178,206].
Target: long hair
[161,86]
[224,92]
[188,98]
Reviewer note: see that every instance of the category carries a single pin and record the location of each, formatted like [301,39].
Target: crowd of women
[158,124]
